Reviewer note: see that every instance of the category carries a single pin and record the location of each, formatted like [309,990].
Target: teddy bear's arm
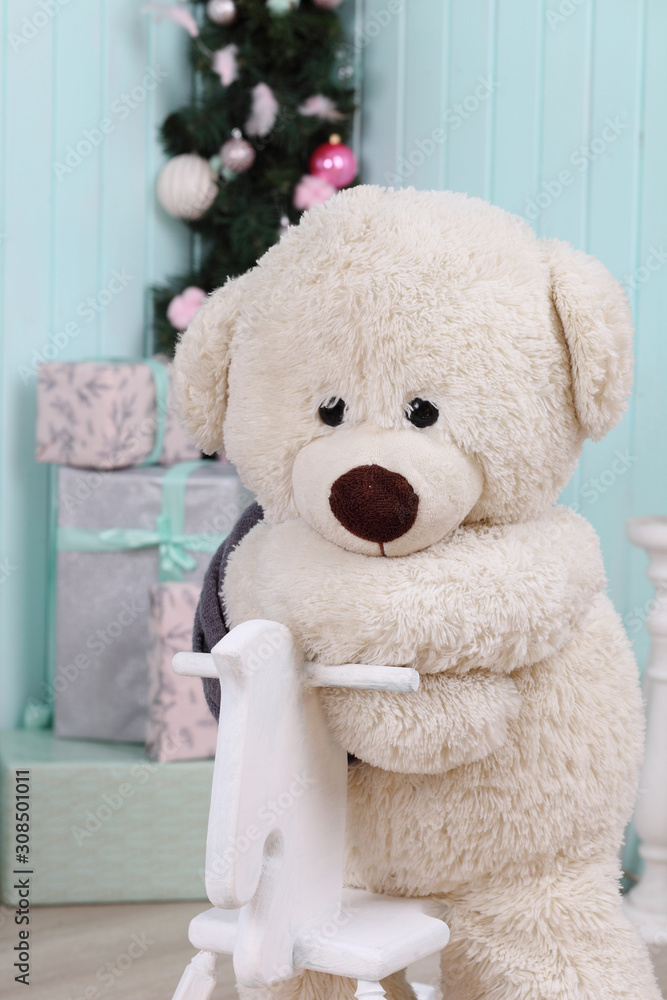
[489,598]
[449,721]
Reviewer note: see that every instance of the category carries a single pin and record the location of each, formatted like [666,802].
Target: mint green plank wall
[553,80]
[61,241]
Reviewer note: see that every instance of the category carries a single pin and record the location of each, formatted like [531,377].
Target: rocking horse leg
[198,980]
[369,991]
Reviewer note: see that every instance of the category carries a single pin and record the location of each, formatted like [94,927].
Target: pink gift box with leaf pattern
[108,415]
[180,726]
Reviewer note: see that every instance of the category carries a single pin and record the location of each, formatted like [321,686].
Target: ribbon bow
[174,558]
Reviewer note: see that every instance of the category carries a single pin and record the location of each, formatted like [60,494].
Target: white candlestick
[646,903]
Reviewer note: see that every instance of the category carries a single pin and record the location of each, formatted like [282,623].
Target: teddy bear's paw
[448,722]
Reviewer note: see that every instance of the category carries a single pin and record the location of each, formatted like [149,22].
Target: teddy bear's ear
[597,323]
[200,367]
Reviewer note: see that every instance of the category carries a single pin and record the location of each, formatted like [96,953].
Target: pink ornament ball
[182,308]
[328,4]
[237,154]
[311,191]
[334,162]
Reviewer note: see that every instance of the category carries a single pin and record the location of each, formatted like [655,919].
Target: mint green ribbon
[173,549]
[169,537]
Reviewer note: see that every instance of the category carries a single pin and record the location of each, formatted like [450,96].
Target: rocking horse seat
[371,938]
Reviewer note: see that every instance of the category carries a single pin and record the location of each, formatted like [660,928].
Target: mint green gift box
[105,824]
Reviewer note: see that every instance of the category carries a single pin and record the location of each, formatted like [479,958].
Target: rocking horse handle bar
[366,676]
[363,676]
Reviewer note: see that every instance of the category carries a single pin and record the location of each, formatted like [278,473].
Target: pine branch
[296,56]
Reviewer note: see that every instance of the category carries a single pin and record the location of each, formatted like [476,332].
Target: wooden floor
[121,952]
[126,952]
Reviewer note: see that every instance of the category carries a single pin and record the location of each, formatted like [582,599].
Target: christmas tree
[262,140]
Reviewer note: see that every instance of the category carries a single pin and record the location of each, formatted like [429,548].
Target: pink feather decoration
[225,65]
[178,15]
[182,308]
[321,107]
[264,111]
[311,191]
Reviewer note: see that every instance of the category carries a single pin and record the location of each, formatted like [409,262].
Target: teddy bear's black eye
[332,411]
[421,413]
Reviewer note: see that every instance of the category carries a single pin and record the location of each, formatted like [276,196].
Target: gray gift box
[101,615]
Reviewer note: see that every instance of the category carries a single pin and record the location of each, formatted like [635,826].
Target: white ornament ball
[221,11]
[237,154]
[186,186]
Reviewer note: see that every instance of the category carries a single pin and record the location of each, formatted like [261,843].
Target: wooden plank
[78,140]
[27,280]
[381,43]
[167,241]
[518,70]
[648,481]
[131,80]
[613,151]
[471,95]
[424,128]
[561,184]
[6,714]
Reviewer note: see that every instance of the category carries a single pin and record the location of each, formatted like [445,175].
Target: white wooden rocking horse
[274,851]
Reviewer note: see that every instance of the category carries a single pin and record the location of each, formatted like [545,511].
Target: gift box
[116,535]
[180,725]
[108,415]
[106,825]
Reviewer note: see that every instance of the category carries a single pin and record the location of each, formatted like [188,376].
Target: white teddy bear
[406,381]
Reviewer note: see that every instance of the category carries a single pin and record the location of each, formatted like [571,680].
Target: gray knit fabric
[210,625]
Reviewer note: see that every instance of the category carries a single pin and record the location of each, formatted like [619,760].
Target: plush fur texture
[503,785]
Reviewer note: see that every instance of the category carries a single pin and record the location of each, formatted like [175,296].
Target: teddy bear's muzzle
[373,503]
[382,491]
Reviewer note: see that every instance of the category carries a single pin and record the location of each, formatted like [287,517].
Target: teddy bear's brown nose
[374,503]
